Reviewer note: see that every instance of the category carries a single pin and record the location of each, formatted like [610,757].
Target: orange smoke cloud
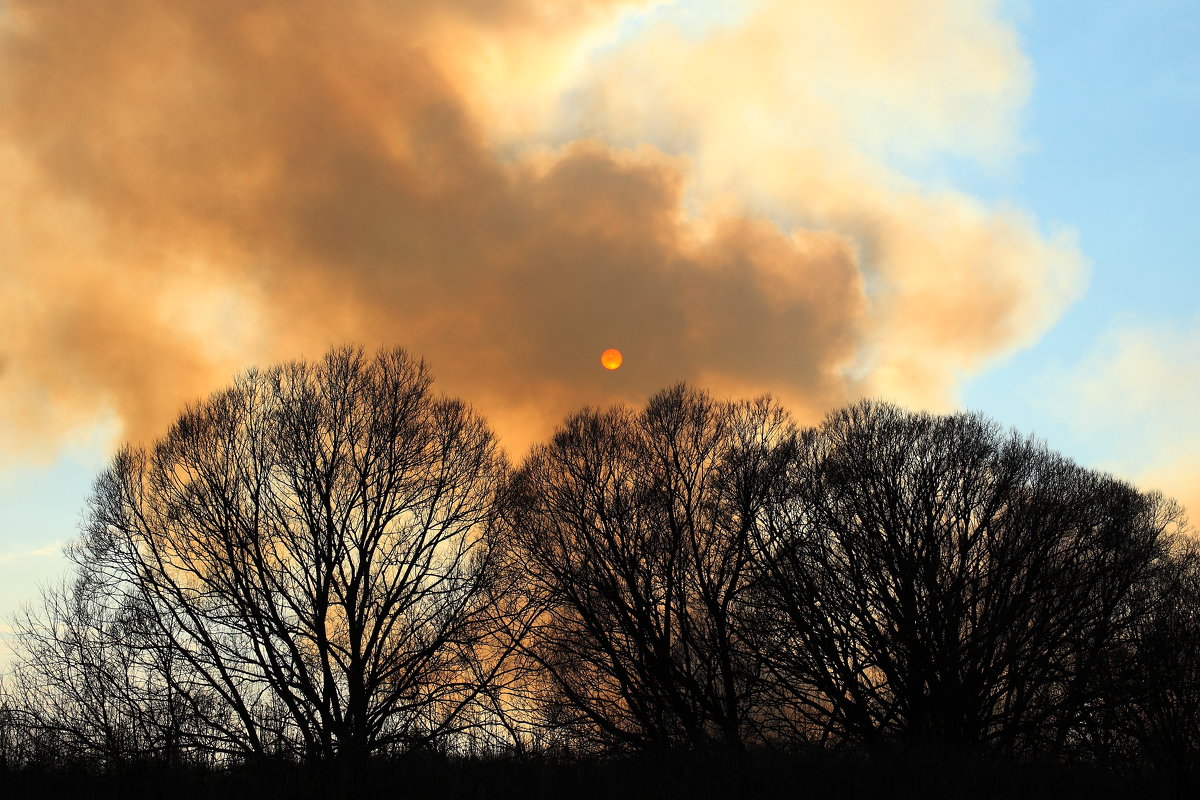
[802,108]
[194,187]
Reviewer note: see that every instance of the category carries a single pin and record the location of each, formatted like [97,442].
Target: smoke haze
[506,188]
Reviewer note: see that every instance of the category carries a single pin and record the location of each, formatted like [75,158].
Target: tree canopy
[327,560]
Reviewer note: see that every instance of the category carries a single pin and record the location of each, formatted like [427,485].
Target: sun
[611,358]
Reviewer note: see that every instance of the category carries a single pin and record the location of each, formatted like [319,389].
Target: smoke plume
[507,188]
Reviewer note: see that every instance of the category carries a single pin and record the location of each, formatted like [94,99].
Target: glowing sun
[611,358]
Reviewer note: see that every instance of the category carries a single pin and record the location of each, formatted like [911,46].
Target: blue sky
[1107,148]
[1112,152]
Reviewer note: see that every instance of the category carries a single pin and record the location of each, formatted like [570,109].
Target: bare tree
[18,737]
[633,532]
[1162,709]
[89,679]
[327,561]
[933,578]
[310,546]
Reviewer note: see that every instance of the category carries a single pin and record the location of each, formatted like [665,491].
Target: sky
[950,204]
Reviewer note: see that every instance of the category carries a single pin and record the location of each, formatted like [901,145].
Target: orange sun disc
[611,358]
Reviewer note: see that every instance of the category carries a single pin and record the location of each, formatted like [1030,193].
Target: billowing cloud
[802,112]
[507,188]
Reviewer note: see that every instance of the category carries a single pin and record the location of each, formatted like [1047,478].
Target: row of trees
[327,561]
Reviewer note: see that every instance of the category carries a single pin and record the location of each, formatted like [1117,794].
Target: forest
[330,580]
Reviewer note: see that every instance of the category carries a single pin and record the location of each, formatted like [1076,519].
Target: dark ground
[692,776]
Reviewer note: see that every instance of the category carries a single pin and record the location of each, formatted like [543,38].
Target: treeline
[328,562]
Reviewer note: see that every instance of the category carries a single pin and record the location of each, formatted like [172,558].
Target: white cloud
[1136,396]
[49,550]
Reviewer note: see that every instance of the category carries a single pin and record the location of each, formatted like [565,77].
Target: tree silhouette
[327,562]
[310,547]
[91,682]
[935,579]
[633,533]
[1162,712]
